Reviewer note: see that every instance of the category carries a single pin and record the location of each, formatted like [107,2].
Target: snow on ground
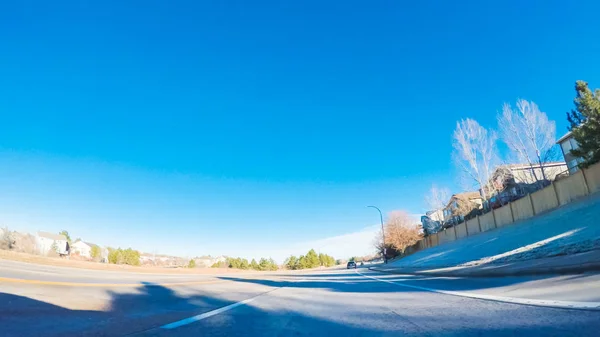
[570,229]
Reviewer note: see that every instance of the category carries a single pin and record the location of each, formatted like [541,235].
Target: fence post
[494,218]
[455,236]
[467,227]
[512,216]
[585,182]
[512,211]
[555,194]
[478,223]
[531,203]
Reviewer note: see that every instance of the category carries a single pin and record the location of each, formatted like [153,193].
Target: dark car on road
[351,264]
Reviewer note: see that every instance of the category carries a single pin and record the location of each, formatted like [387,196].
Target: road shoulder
[567,264]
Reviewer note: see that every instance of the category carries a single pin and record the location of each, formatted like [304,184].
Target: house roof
[86,243]
[567,135]
[91,244]
[464,196]
[528,166]
[428,213]
[51,236]
[467,195]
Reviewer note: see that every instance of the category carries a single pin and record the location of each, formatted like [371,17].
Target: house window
[572,163]
[573,143]
[566,146]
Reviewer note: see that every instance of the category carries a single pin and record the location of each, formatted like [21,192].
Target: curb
[559,304]
[566,270]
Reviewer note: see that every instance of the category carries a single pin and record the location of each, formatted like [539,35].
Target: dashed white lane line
[211,313]
[515,300]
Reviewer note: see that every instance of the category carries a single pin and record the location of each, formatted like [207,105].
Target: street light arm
[380,214]
[382,232]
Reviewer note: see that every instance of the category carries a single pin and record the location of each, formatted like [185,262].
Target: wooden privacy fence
[559,193]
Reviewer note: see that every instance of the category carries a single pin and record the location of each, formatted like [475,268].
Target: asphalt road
[327,303]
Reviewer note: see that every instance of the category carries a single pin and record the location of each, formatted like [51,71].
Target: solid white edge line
[515,300]
[211,313]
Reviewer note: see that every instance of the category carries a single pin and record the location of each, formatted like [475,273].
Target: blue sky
[235,128]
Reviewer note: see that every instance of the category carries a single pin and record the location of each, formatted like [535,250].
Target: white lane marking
[200,317]
[515,300]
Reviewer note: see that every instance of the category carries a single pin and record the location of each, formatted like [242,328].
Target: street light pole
[382,232]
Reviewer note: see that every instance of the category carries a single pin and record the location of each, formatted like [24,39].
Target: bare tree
[529,134]
[7,240]
[475,152]
[501,178]
[436,200]
[400,232]
[378,244]
[437,197]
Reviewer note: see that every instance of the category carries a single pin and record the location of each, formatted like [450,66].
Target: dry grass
[29,258]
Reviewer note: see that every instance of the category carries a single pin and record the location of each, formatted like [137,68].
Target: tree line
[310,260]
[241,263]
[124,256]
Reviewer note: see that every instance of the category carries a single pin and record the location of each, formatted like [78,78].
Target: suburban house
[208,261]
[513,181]
[103,254]
[436,215]
[146,258]
[461,206]
[46,242]
[161,260]
[568,143]
[82,249]
[432,221]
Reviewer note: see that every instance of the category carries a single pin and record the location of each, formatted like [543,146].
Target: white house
[103,254]
[208,261]
[432,221]
[84,249]
[521,179]
[45,242]
[568,143]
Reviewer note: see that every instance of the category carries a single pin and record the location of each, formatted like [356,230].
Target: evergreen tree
[273,265]
[585,124]
[66,234]
[302,262]
[326,260]
[254,265]
[244,264]
[312,259]
[322,259]
[264,264]
[291,263]
[95,252]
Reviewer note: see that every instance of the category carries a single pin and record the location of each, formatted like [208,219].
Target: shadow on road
[355,283]
[143,311]
[134,310]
